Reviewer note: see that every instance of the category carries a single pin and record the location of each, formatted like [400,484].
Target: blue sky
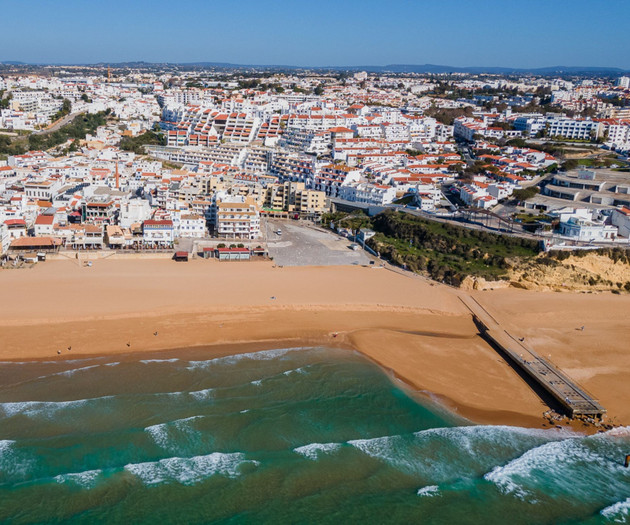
[527,33]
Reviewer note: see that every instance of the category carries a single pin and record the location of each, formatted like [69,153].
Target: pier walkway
[573,398]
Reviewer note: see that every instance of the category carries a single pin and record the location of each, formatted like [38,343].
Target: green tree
[569,164]
[526,193]
[4,102]
[66,108]
[136,144]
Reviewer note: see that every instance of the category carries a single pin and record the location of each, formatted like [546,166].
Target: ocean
[290,435]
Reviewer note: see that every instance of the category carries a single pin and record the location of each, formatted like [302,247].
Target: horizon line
[293,66]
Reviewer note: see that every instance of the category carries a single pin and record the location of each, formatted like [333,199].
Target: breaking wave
[618,512]
[263,355]
[167,434]
[313,450]
[86,479]
[200,395]
[13,462]
[44,408]
[581,467]
[429,490]
[442,454]
[189,471]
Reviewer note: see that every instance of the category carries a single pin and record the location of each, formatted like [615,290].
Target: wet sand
[417,329]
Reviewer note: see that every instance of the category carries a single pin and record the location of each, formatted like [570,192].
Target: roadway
[61,122]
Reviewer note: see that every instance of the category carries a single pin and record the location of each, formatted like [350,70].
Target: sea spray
[280,436]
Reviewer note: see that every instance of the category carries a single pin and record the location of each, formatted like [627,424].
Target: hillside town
[209,155]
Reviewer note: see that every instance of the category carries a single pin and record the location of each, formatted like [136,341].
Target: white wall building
[192,226]
[573,129]
[158,232]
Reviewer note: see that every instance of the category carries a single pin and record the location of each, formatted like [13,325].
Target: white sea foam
[71,372]
[302,370]
[541,460]
[468,436]
[313,450]
[148,361]
[47,408]
[5,445]
[263,355]
[618,512]
[161,433]
[85,479]
[199,365]
[204,394]
[115,363]
[13,462]
[442,453]
[619,431]
[189,471]
[430,491]
[6,453]
[376,447]
[391,450]
[65,373]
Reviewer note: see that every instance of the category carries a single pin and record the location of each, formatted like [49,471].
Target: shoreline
[418,332]
[455,409]
[346,340]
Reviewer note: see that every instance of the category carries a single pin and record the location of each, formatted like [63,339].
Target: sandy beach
[419,330]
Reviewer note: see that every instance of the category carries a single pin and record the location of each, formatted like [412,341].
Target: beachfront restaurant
[35,244]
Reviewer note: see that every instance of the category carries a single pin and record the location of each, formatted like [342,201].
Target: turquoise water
[279,436]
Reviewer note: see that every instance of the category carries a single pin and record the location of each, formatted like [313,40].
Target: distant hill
[432,68]
[404,68]
[391,68]
[427,68]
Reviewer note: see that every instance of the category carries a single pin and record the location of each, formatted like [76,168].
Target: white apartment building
[587,230]
[158,233]
[44,225]
[237,217]
[623,82]
[373,194]
[42,190]
[134,211]
[573,129]
[530,125]
[192,226]
[619,135]
[396,132]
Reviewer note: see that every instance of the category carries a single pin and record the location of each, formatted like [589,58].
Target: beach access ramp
[573,398]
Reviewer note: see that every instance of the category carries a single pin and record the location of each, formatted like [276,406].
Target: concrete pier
[573,398]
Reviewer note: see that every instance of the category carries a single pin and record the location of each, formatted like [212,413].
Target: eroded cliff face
[592,272]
